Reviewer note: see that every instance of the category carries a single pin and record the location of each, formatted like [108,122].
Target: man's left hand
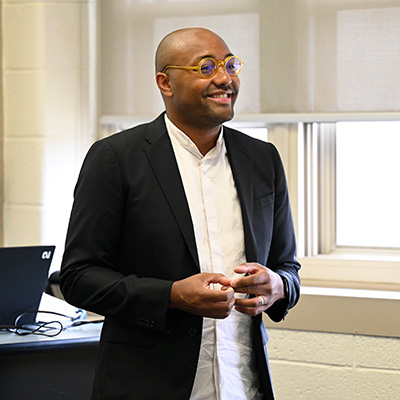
[265,284]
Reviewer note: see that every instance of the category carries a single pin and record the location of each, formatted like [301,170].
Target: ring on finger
[262,300]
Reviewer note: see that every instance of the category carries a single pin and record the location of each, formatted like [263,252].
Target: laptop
[23,279]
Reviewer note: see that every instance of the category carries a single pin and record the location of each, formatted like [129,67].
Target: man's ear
[164,84]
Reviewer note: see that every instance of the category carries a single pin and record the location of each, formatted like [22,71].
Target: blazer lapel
[242,169]
[161,156]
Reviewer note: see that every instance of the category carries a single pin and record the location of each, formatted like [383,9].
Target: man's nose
[222,76]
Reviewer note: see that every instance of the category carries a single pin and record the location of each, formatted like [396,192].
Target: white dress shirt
[226,367]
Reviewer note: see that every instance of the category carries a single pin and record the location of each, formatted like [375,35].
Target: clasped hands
[196,296]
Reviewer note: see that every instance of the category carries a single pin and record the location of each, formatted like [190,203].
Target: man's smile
[221,98]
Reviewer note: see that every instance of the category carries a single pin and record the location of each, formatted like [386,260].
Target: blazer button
[192,332]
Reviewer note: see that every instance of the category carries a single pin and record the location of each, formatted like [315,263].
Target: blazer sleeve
[90,275]
[282,256]
[268,223]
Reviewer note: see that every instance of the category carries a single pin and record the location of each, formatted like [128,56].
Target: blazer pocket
[264,201]
[120,332]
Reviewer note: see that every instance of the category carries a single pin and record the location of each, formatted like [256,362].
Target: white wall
[49,78]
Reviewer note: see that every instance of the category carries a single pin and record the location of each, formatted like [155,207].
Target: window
[343,184]
[367,184]
[345,197]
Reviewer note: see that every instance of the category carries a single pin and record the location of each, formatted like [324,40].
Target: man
[181,236]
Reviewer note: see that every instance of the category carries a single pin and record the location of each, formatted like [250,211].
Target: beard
[213,117]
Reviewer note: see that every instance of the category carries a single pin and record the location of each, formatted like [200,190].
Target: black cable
[41,328]
[44,328]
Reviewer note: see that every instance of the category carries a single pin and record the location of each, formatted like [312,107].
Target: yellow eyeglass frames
[208,67]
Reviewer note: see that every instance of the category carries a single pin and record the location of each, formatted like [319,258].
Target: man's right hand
[195,295]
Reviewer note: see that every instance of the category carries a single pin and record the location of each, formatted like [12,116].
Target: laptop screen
[23,278]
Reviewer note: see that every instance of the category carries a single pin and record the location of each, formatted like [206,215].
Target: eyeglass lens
[208,67]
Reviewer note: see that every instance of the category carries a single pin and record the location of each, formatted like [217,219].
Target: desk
[43,368]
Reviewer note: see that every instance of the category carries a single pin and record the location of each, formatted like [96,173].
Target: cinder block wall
[330,366]
[49,107]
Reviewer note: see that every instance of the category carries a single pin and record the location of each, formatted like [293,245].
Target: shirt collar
[183,140]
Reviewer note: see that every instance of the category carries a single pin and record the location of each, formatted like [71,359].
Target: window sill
[369,270]
[347,311]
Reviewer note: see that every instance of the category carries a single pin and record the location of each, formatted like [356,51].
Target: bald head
[192,103]
[178,43]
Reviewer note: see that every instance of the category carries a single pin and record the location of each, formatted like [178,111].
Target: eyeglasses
[208,67]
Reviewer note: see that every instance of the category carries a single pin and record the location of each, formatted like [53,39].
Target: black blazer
[131,235]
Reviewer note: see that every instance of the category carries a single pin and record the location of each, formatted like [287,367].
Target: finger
[249,310]
[229,292]
[253,306]
[254,280]
[249,268]
[220,310]
[248,303]
[248,289]
[214,295]
[210,278]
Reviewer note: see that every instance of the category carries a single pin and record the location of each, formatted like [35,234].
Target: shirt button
[192,331]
